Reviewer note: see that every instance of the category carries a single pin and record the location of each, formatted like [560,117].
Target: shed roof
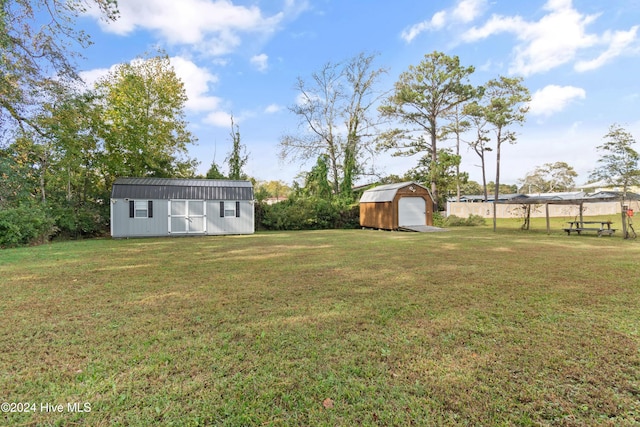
[385,193]
[170,188]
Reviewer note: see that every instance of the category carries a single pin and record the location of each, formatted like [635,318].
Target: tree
[144,128]
[214,172]
[238,156]
[34,50]
[618,164]
[458,125]
[273,189]
[445,173]
[333,111]
[316,182]
[550,177]
[423,96]
[504,104]
[480,143]
[73,168]
[472,188]
[502,188]
[361,79]
[19,173]
[619,161]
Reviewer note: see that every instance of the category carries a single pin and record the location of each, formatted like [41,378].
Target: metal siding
[230,224]
[123,226]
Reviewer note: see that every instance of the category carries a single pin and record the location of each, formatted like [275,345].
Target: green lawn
[357,327]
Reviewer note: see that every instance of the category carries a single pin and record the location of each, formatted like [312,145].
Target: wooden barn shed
[145,207]
[394,206]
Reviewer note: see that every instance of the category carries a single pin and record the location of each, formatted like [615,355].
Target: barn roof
[169,188]
[385,193]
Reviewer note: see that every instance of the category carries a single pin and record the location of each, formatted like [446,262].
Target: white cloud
[553,99]
[495,25]
[545,44]
[465,11]
[212,26]
[220,119]
[618,42]
[197,83]
[436,22]
[272,109]
[468,10]
[556,39]
[90,77]
[261,62]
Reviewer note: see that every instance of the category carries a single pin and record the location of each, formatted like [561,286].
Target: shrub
[476,220]
[438,219]
[25,224]
[309,213]
[471,221]
[76,221]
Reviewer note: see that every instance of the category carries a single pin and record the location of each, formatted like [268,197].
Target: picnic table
[602,227]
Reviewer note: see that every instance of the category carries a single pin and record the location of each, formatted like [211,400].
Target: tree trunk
[458,165]
[434,162]
[624,219]
[484,178]
[496,193]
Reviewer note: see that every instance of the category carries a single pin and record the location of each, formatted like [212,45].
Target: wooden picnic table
[602,227]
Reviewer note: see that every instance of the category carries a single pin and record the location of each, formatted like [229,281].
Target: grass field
[357,327]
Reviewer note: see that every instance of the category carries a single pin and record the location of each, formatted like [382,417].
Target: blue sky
[580,59]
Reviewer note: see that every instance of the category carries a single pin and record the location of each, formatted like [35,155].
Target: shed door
[412,211]
[187,216]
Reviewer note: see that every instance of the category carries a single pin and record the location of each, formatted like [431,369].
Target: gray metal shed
[145,207]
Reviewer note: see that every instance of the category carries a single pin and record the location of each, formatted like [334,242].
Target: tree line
[63,144]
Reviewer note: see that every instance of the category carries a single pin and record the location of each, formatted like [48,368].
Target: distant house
[145,207]
[274,200]
[393,206]
[602,185]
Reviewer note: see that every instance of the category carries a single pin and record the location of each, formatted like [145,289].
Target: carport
[600,197]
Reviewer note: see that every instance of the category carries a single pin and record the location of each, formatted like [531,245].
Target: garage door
[412,211]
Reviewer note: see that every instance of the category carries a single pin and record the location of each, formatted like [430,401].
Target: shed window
[140,209]
[229,209]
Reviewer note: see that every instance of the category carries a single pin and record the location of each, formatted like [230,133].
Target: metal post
[546,205]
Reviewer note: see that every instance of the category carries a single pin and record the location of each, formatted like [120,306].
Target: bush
[76,221]
[309,213]
[25,224]
[438,219]
[471,221]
